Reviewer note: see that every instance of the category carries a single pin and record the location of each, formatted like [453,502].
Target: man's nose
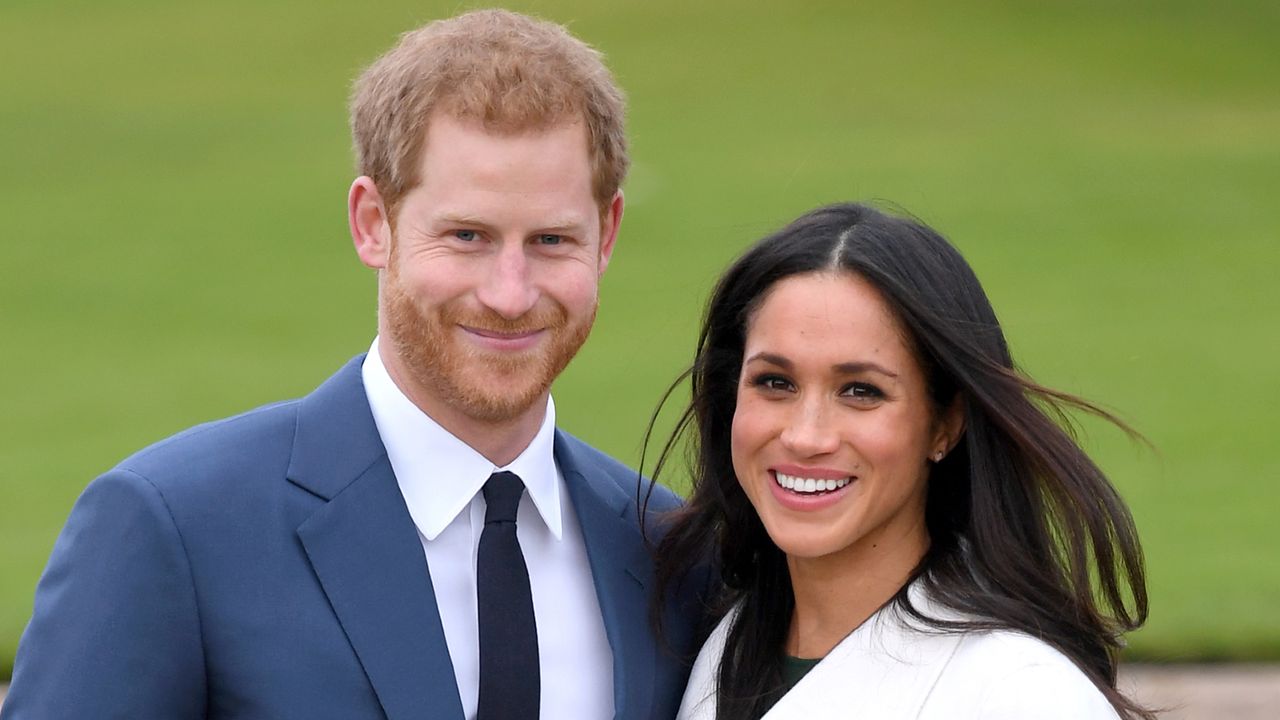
[508,288]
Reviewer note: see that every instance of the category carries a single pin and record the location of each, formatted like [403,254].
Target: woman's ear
[950,428]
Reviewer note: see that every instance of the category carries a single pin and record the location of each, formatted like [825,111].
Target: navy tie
[509,678]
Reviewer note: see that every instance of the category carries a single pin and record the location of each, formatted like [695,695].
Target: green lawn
[173,187]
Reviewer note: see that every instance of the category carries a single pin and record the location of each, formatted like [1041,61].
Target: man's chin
[506,373]
[486,405]
[503,387]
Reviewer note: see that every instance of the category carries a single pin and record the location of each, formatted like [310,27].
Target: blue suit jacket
[266,566]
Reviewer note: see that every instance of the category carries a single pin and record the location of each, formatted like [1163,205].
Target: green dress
[794,668]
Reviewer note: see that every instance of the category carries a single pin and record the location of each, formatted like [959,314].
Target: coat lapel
[621,570]
[365,551]
[884,670]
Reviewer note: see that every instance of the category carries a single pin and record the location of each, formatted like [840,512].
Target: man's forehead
[557,155]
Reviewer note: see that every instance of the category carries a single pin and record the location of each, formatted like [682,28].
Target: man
[352,554]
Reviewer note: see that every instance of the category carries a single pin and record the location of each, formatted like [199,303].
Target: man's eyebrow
[564,223]
[450,218]
[845,368]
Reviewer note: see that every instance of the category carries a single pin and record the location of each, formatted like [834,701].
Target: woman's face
[834,427]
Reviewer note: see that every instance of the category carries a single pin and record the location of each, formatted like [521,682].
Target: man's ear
[610,219]
[370,226]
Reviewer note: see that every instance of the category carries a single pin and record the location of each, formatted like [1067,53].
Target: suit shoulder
[220,447]
[595,464]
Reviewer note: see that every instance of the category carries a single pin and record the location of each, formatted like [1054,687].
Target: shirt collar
[439,474]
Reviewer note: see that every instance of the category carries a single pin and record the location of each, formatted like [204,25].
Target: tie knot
[502,494]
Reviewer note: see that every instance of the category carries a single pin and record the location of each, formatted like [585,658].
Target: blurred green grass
[176,247]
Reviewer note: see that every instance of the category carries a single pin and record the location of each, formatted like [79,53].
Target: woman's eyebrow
[845,368]
[853,368]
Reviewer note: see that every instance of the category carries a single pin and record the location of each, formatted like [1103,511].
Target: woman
[901,527]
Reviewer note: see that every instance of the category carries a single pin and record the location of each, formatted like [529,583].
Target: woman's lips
[809,489]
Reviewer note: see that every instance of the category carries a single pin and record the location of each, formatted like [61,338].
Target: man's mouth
[502,334]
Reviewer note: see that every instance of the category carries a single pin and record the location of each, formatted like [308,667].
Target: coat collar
[883,669]
[336,440]
[364,548]
[365,551]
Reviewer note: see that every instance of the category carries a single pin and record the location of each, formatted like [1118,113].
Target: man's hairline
[577,117]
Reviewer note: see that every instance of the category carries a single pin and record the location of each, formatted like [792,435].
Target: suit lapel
[365,551]
[621,570]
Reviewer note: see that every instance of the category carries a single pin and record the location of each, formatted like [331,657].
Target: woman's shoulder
[1009,674]
[699,700]
[1010,649]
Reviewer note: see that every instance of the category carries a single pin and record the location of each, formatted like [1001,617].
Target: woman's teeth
[810,485]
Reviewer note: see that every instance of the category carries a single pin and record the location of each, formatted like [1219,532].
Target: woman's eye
[772,382]
[862,391]
[465,235]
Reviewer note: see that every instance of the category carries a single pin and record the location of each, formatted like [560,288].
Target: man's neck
[500,442]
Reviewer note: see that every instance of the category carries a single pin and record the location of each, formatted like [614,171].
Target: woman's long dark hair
[1026,533]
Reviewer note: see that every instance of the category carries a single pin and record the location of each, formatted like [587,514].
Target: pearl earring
[937,457]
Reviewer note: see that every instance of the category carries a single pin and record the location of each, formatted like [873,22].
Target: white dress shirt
[440,477]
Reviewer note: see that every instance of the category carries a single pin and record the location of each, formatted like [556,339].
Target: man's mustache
[547,318]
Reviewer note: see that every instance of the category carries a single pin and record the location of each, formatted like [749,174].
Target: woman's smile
[834,424]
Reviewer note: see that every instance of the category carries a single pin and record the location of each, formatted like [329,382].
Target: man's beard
[487,386]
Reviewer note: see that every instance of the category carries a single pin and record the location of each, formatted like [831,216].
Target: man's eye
[550,239]
[465,235]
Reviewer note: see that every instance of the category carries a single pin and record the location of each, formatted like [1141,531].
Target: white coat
[893,668]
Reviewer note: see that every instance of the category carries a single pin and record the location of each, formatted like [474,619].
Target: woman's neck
[835,594]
